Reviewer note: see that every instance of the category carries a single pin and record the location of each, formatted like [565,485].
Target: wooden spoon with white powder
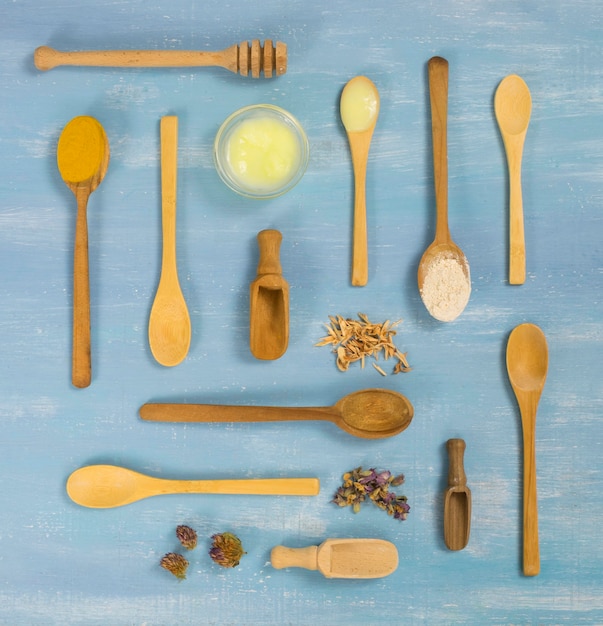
[443,275]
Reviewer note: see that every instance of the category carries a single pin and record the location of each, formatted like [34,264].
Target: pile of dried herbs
[356,340]
[360,485]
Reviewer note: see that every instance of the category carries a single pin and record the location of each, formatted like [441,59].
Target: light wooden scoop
[169,322]
[457,499]
[107,486]
[369,413]
[245,58]
[269,301]
[447,301]
[341,558]
[359,109]
[513,108]
[83,159]
[527,365]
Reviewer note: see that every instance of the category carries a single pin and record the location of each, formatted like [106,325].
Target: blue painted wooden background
[64,564]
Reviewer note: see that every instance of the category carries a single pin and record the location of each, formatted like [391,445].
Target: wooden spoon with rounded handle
[83,159]
[169,322]
[107,486]
[527,365]
[513,108]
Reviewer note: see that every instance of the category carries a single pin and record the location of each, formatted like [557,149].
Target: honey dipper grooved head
[269,58]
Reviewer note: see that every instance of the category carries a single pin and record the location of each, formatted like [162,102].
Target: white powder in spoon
[446,288]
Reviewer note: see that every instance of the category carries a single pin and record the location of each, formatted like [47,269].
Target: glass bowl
[261,151]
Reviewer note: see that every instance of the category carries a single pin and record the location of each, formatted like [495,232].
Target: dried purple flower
[187,537]
[226,549]
[175,564]
[359,484]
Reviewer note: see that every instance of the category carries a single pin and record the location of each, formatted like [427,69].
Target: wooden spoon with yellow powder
[83,158]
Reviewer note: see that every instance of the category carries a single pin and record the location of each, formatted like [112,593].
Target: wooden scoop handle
[269,242]
[244,58]
[456,470]
[281,557]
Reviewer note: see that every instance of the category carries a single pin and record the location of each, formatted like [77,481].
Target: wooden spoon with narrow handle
[341,558]
[169,322]
[527,365]
[359,109]
[513,108]
[107,486]
[369,413]
[83,159]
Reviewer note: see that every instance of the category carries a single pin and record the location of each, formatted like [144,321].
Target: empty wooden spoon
[527,365]
[513,107]
[269,301]
[443,275]
[359,109]
[457,499]
[369,413]
[83,159]
[107,486]
[169,322]
[341,558]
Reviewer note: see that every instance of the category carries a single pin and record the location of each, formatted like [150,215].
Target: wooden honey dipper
[244,58]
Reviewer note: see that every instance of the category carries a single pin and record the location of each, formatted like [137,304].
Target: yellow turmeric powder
[81,149]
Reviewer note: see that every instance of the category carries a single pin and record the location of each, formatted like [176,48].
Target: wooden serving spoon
[341,558]
[513,107]
[245,58]
[527,365]
[169,322]
[359,109]
[269,301]
[369,413]
[457,499]
[83,159]
[107,486]
[443,300]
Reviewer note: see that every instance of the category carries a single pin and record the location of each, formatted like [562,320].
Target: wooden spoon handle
[360,150]
[165,412]
[438,97]
[281,557]
[517,245]
[169,173]
[243,486]
[269,242]
[81,366]
[531,549]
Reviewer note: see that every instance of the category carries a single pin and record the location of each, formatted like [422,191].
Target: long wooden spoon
[369,413]
[83,159]
[359,108]
[341,558]
[246,58]
[527,365]
[169,322]
[443,275]
[269,301]
[457,499]
[513,107]
[107,486]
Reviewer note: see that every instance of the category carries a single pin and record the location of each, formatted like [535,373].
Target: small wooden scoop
[457,501]
[269,301]
[341,558]
[245,58]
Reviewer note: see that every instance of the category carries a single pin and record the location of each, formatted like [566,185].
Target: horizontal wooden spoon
[269,301]
[83,159]
[245,58]
[527,365]
[341,558]
[369,413]
[457,499]
[107,486]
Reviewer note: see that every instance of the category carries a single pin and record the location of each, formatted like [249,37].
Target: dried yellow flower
[176,564]
[226,549]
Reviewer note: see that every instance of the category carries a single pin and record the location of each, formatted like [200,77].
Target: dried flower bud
[226,549]
[187,537]
[175,564]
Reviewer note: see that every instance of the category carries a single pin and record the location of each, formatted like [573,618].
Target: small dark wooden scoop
[457,500]
[269,301]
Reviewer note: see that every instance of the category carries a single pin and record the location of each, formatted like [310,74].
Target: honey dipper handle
[456,470]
